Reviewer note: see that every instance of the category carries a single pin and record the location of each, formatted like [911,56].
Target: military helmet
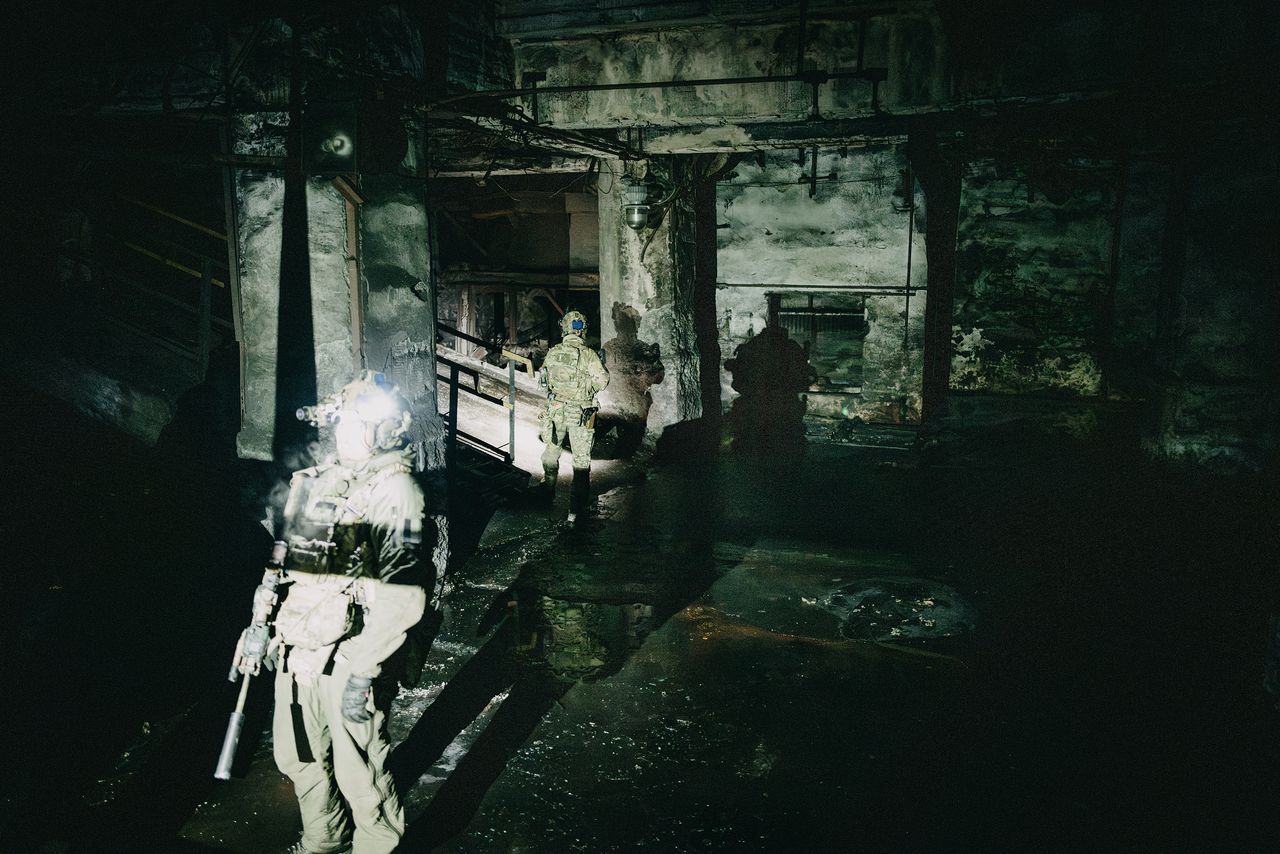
[573,323]
[373,400]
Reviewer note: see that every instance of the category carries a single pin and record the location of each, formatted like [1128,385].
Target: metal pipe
[888,289]
[169,262]
[511,411]
[452,423]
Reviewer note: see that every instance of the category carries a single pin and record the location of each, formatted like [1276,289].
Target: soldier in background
[572,374]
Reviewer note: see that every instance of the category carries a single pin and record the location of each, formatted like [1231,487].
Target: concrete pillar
[400,313]
[647,306]
[939,174]
[260,223]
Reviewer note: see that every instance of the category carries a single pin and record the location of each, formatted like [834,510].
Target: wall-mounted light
[635,201]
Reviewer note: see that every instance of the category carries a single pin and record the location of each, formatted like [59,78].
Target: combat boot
[547,488]
[580,494]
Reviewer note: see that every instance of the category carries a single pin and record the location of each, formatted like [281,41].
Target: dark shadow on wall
[770,373]
[295,334]
[634,366]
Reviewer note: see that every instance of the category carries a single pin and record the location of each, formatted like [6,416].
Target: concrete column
[647,307]
[260,222]
[939,175]
[259,204]
[400,314]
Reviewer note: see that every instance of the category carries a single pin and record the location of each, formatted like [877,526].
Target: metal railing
[452,375]
[189,330]
[128,294]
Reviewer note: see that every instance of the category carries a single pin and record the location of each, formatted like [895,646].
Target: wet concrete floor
[710,664]
[697,669]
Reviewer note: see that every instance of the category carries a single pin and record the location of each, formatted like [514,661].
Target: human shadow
[770,373]
[634,367]
[556,626]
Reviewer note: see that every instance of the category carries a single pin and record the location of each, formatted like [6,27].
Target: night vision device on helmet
[372,400]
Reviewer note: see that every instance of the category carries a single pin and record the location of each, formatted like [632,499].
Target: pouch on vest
[315,615]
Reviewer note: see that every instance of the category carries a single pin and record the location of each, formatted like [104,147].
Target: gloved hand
[355,699]
[251,651]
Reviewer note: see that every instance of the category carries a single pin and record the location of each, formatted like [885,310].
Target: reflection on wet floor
[647,681]
[704,668]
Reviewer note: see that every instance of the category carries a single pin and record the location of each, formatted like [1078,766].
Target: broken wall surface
[851,236]
[1137,283]
[908,43]
[1031,280]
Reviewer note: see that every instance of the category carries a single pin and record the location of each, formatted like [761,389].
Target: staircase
[486,477]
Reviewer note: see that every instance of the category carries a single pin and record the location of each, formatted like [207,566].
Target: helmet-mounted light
[375,406]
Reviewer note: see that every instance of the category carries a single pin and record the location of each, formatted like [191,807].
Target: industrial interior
[932,495]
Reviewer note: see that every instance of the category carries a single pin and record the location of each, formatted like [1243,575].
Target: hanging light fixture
[635,201]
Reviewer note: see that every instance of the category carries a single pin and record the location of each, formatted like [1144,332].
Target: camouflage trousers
[563,420]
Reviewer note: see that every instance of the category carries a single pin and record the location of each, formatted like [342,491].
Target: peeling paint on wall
[1032,275]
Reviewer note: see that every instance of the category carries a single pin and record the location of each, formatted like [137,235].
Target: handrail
[457,369]
[204,229]
[490,345]
[449,330]
[198,350]
[169,262]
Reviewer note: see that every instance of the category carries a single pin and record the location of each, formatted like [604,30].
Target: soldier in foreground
[351,586]
[572,374]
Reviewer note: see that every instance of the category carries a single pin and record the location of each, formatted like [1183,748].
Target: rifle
[231,740]
[251,650]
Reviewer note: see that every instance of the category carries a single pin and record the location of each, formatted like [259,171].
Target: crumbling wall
[909,44]
[1180,328]
[1217,394]
[1032,280]
[851,234]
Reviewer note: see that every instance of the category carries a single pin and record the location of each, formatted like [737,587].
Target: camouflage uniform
[573,375]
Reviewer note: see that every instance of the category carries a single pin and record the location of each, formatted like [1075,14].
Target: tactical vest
[325,518]
[567,376]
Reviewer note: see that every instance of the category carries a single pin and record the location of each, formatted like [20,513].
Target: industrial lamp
[635,200]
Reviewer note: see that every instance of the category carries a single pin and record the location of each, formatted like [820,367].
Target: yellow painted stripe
[169,262]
